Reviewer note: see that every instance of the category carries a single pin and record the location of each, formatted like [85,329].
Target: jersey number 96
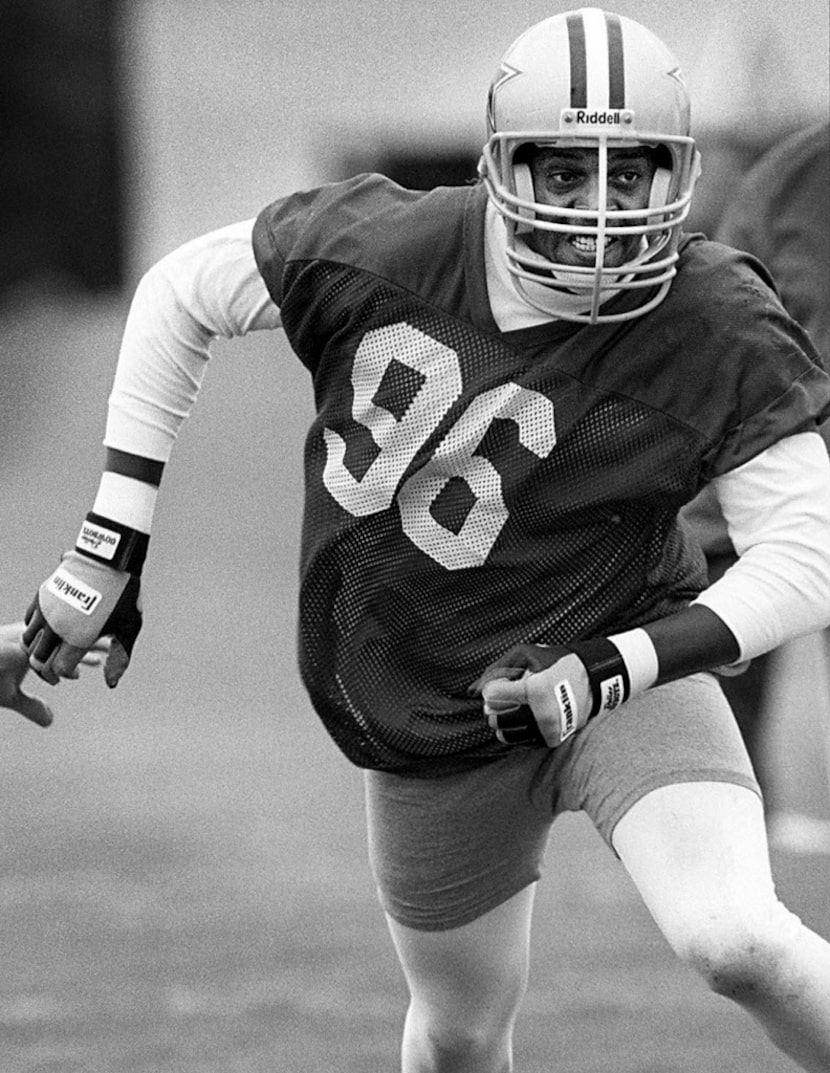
[399,440]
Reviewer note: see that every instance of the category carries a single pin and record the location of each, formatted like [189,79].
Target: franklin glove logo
[567,708]
[74,592]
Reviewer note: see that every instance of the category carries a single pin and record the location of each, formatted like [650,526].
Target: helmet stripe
[579,60]
[616,63]
[597,59]
[596,51]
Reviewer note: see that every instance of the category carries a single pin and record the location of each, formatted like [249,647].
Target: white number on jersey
[399,441]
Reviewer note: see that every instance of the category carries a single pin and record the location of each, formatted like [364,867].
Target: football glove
[95,592]
[540,695]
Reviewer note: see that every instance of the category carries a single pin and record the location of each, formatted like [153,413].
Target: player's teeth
[588,244]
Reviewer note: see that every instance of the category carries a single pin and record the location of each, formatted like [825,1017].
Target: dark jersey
[468,489]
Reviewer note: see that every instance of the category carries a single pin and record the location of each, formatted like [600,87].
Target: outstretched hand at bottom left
[14,665]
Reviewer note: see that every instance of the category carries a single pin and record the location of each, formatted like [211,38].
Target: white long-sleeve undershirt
[208,288]
[777,512]
[777,505]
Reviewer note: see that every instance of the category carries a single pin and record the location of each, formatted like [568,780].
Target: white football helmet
[589,78]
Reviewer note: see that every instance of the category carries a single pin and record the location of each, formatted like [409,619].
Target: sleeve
[291,228]
[207,288]
[774,376]
[777,511]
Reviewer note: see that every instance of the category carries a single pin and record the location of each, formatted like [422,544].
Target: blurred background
[183,880]
[129,127]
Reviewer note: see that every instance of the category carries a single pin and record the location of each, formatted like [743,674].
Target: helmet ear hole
[523,178]
[660,184]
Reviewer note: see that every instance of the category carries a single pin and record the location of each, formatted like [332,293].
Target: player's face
[568,178]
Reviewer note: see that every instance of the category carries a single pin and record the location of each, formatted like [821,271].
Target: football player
[518,385]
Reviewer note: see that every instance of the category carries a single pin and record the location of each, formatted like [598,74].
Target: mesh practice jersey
[468,489]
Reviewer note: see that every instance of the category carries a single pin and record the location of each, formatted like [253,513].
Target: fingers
[40,642]
[494,671]
[518,661]
[538,708]
[42,651]
[505,705]
[33,709]
[518,727]
[52,658]
[95,656]
[118,660]
[124,625]
[63,661]
[34,621]
[504,695]
[67,658]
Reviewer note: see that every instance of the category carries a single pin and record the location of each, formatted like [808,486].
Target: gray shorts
[447,850]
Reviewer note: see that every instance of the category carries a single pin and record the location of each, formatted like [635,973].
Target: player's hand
[14,666]
[82,601]
[535,695]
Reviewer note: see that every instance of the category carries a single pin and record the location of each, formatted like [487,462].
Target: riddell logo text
[602,118]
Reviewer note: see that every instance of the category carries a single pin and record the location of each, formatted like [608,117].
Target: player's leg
[667,781]
[456,859]
[466,987]
[698,854]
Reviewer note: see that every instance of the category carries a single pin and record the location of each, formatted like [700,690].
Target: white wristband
[640,659]
[126,500]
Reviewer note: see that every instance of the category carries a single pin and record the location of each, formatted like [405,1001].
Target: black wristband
[113,544]
[607,673]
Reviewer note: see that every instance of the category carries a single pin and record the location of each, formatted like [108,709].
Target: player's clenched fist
[95,592]
[536,695]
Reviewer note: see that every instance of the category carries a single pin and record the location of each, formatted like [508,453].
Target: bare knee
[459,1038]
[452,1046]
[741,968]
[741,957]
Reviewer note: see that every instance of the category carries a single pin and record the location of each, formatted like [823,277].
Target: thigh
[475,971]
[698,854]
[681,732]
[447,850]
[700,843]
